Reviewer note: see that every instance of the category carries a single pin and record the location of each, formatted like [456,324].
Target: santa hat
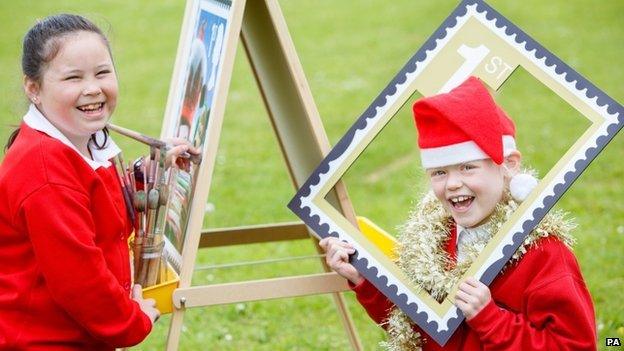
[465,125]
[462,125]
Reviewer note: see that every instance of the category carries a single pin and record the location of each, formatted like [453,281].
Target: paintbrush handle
[137,136]
[152,211]
[153,142]
[125,192]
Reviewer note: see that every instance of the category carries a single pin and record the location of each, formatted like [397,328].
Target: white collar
[475,232]
[36,120]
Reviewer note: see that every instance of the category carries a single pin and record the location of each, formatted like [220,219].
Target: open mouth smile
[461,203]
[91,108]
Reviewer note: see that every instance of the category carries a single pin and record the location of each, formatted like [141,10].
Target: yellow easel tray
[163,292]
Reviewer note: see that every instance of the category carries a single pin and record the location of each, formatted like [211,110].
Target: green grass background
[349,51]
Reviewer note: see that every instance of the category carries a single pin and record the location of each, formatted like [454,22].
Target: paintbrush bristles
[140,200]
[153,199]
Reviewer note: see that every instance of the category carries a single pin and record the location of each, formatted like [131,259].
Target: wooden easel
[295,119]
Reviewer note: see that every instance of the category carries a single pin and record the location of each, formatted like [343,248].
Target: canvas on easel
[191,101]
[195,109]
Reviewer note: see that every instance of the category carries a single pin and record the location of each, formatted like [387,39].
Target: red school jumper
[65,273]
[538,303]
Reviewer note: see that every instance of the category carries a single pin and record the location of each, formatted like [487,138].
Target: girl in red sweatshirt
[539,301]
[65,279]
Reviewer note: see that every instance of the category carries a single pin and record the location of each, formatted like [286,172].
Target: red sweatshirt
[539,303]
[65,274]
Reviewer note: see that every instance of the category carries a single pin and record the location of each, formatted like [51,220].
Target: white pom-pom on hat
[521,186]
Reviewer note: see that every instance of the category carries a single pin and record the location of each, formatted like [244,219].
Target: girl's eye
[468,167]
[437,173]
[72,78]
[103,72]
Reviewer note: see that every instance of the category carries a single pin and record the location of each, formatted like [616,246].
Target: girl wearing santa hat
[539,301]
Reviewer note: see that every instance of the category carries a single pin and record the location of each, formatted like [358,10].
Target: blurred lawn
[349,51]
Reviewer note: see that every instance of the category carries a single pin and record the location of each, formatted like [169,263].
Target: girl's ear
[31,88]
[513,162]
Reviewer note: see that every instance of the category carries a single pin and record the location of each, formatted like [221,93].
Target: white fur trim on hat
[460,153]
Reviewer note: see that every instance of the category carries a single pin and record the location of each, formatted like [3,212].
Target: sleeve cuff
[485,320]
[364,288]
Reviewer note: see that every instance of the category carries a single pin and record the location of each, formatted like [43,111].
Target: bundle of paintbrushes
[146,187]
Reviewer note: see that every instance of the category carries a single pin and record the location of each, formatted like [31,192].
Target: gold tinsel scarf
[422,256]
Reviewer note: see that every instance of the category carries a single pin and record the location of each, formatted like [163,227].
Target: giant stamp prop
[473,40]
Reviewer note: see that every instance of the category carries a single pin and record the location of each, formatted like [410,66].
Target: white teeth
[459,199]
[91,107]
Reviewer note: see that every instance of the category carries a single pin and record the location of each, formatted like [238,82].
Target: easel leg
[347,321]
[343,311]
[175,329]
